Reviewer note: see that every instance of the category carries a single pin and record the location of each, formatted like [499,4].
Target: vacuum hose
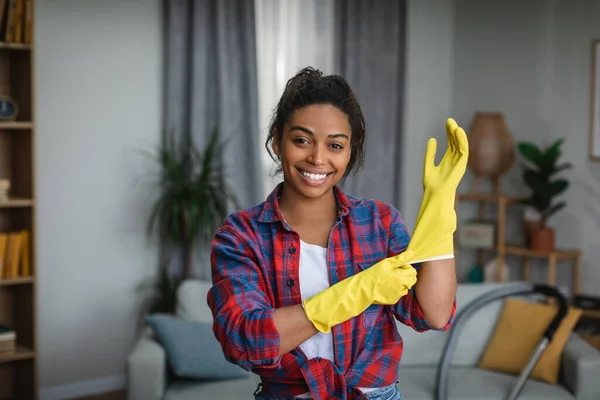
[517,289]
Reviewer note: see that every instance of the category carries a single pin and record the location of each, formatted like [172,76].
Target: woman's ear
[275,145]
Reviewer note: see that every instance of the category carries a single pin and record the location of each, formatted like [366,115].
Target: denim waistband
[390,392]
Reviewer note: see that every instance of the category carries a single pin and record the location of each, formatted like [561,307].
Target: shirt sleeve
[242,314]
[408,310]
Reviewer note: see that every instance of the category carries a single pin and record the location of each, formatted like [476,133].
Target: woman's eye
[300,141]
[337,146]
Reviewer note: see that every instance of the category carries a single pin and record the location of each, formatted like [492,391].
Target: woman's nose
[318,156]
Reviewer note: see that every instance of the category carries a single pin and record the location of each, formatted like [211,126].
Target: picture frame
[594,142]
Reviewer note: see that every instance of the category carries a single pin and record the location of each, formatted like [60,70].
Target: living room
[132,69]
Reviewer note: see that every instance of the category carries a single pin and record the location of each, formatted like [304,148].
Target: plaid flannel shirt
[255,261]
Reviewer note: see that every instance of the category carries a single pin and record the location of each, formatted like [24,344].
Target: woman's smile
[314,179]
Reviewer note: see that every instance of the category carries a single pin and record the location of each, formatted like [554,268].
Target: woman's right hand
[394,278]
[383,283]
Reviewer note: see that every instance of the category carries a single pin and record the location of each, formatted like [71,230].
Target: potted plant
[193,200]
[539,174]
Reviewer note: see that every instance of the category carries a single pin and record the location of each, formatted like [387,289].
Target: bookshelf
[18,269]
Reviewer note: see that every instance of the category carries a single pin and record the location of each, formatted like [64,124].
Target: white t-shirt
[314,278]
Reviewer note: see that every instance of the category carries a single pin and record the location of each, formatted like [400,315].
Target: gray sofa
[580,373]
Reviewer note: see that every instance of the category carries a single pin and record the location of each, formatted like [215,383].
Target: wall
[98,102]
[531,61]
[429,92]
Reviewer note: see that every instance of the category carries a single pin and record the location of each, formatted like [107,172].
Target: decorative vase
[491,148]
[543,239]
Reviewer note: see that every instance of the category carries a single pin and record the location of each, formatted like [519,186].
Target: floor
[121,395]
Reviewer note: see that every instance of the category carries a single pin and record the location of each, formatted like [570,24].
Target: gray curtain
[370,52]
[211,82]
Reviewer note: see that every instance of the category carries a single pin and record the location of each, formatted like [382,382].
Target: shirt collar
[272,213]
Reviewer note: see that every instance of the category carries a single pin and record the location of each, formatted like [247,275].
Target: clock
[8,109]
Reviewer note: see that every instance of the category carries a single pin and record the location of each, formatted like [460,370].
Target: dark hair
[309,87]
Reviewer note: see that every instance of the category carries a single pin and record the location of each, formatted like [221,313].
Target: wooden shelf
[502,249]
[21,353]
[516,250]
[23,280]
[15,46]
[590,313]
[559,254]
[18,296]
[488,198]
[16,125]
[17,202]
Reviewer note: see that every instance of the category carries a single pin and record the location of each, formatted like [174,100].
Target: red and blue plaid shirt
[255,260]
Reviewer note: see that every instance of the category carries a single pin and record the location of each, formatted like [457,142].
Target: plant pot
[532,220]
[530,227]
[542,239]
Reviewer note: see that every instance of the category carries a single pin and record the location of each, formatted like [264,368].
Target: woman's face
[314,149]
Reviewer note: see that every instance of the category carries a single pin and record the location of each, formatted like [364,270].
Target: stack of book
[4,188]
[8,339]
[14,254]
[16,19]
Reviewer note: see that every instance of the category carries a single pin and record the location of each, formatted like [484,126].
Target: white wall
[429,92]
[531,61]
[98,99]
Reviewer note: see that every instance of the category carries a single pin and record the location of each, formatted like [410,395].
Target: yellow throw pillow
[519,330]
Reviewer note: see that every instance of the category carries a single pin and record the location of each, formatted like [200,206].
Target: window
[290,35]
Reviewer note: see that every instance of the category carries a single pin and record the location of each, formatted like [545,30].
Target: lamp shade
[491,147]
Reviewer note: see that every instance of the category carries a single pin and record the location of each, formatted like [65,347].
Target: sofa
[149,378]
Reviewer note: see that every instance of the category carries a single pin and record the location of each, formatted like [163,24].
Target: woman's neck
[297,208]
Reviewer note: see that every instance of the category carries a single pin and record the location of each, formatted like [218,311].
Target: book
[7,333]
[8,339]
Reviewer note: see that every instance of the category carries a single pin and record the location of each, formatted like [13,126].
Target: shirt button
[291,282]
[292,250]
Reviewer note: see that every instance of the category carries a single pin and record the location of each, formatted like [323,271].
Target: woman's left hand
[436,223]
[447,175]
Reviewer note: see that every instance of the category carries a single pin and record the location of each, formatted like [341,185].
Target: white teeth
[314,177]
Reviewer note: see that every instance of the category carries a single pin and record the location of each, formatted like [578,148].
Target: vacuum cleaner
[518,289]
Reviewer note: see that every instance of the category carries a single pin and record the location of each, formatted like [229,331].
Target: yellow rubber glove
[383,283]
[433,234]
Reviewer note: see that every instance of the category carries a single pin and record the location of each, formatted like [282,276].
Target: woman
[308,284]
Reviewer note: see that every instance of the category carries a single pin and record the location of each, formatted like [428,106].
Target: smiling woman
[313,153]
[304,282]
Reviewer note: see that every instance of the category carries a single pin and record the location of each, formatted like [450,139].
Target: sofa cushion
[426,348]
[191,300]
[519,331]
[192,349]
[464,383]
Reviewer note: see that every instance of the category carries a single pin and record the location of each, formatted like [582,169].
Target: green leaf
[535,181]
[558,187]
[531,152]
[549,157]
[562,167]
[554,209]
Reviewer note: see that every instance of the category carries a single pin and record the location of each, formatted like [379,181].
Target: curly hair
[309,87]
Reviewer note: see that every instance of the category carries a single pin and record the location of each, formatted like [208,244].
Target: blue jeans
[386,393]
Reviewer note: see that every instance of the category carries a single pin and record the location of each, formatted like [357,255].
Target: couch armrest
[580,368]
[146,370]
